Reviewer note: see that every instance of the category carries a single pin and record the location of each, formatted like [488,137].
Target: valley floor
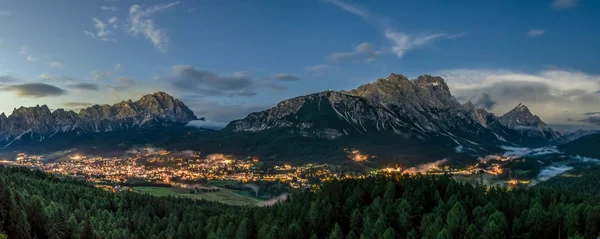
[222,195]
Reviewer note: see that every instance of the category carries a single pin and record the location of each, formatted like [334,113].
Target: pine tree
[351,235]
[336,233]
[242,230]
[87,231]
[492,231]
[293,231]
[443,234]
[389,233]
[472,232]
[456,220]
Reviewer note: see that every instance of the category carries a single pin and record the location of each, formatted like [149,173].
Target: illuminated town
[178,168]
[165,167]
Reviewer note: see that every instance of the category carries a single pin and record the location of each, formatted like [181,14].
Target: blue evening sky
[227,58]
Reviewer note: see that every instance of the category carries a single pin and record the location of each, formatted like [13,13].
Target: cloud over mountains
[548,93]
[34,90]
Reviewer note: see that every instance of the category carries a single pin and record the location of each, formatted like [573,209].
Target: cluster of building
[170,168]
[192,167]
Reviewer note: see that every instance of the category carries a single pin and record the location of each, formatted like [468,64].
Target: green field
[220,183]
[224,195]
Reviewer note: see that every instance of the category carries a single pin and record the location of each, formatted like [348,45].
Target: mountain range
[580,133]
[394,118]
[419,109]
[39,123]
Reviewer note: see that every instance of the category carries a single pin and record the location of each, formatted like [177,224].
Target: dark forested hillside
[34,204]
[584,146]
[584,181]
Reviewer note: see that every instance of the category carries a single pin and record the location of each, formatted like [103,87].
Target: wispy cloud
[8,79]
[113,22]
[363,51]
[28,53]
[402,42]
[34,90]
[457,35]
[109,8]
[76,105]
[485,101]
[319,70]
[59,79]
[4,13]
[56,64]
[543,92]
[361,12]
[595,120]
[535,32]
[349,8]
[84,86]
[100,75]
[102,33]
[106,74]
[560,4]
[189,79]
[126,82]
[287,77]
[141,22]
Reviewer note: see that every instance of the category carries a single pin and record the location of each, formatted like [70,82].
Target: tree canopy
[35,204]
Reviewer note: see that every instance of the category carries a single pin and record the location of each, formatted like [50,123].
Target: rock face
[521,117]
[327,114]
[39,122]
[419,109]
[530,126]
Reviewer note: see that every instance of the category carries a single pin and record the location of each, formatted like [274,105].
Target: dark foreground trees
[38,205]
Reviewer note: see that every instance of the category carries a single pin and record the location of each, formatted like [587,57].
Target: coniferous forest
[34,204]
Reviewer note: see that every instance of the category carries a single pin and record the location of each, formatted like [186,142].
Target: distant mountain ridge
[585,146]
[39,122]
[418,109]
[580,133]
[395,119]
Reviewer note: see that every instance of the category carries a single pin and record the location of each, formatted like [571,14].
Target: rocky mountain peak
[30,114]
[164,105]
[3,120]
[468,106]
[423,92]
[154,108]
[96,112]
[435,82]
[522,108]
[521,116]
[157,99]
[396,77]
[420,108]
[32,110]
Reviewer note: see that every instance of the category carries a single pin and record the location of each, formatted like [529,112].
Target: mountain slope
[530,126]
[580,133]
[39,123]
[328,115]
[585,146]
[395,119]
[420,110]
